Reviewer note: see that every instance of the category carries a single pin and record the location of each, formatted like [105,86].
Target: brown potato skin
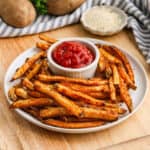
[18,13]
[62,7]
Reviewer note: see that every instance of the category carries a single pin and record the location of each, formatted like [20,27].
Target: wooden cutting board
[17,134]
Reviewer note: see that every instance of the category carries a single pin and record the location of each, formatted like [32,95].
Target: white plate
[137,96]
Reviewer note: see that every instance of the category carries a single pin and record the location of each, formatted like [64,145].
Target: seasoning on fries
[79,95]
[60,99]
[20,72]
[74,102]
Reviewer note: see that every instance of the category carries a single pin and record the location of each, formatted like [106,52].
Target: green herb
[40,6]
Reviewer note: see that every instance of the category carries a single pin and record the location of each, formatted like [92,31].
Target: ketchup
[73,55]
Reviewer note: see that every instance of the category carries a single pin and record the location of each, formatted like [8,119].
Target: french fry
[125,76]
[99,95]
[33,111]
[74,119]
[98,79]
[83,104]
[53,112]
[20,72]
[37,94]
[76,95]
[42,45]
[102,63]
[47,39]
[38,102]
[28,84]
[115,74]
[46,78]
[11,94]
[45,68]
[70,106]
[86,89]
[22,93]
[125,95]
[112,90]
[74,125]
[107,115]
[109,57]
[34,71]
[108,71]
[117,109]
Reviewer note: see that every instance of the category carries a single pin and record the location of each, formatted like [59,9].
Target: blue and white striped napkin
[137,10]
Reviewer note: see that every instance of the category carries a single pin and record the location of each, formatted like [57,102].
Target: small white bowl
[91,16]
[84,72]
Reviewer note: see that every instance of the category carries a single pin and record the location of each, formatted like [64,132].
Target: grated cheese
[103,19]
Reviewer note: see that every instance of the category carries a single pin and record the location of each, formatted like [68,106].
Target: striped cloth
[138,20]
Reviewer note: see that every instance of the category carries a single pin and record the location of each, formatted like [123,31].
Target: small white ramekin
[102,32]
[84,72]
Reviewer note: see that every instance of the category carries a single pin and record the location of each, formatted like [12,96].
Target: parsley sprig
[40,6]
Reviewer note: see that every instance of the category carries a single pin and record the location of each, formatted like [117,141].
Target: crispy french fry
[74,119]
[38,102]
[98,79]
[70,106]
[45,68]
[125,76]
[76,95]
[87,89]
[11,94]
[22,93]
[99,95]
[115,74]
[63,124]
[37,94]
[47,39]
[46,78]
[20,72]
[125,95]
[42,45]
[53,112]
[102,63]
[33,111]
[112,90]
[34,71]
[109,57]
[117,109]
[28,84]
[108,71]
[107,115]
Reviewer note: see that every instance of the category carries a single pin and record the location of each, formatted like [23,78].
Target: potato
[18,13]
[61,7]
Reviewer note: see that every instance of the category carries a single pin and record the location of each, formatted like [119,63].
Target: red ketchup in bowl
[73,55]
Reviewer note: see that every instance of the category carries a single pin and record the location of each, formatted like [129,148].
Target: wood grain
[17,134]
[142,143]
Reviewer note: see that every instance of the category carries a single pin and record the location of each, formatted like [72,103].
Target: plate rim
[36,122]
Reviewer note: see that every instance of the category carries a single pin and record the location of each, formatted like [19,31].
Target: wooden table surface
[17,134]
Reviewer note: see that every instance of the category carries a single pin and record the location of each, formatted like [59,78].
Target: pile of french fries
[74,102]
